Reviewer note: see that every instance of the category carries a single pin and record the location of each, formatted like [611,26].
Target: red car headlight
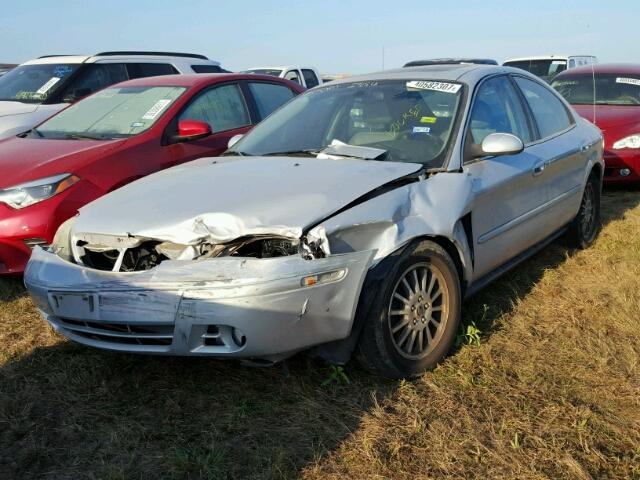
[36,191]
[632,141]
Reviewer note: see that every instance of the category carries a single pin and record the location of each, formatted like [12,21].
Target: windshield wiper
[36,131]
[292,153]
[233,153]
[85,136]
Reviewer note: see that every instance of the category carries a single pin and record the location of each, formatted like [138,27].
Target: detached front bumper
[227,307]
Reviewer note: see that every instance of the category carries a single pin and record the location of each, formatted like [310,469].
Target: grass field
[549,389]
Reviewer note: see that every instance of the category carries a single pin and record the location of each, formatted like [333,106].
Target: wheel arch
[340,351]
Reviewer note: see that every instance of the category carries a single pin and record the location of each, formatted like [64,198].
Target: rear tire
[585,227]
[414,319]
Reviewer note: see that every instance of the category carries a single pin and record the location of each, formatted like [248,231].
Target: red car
[615,109]
[115,136]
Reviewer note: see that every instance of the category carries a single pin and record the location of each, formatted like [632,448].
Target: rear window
[265,71]
[140,70]
[310,78]
[545,69]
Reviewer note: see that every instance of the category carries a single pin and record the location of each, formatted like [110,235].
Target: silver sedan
[355,218]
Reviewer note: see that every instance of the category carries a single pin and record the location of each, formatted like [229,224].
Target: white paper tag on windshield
[628,81]
[156,109]
[47,86]
[437,86]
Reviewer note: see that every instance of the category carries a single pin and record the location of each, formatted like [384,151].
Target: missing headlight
[266,248]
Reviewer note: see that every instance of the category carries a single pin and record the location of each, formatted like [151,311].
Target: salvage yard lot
[552,390]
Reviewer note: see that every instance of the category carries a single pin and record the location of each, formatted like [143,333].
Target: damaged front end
[256,297]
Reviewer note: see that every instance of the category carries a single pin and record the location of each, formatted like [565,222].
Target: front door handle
[539,169]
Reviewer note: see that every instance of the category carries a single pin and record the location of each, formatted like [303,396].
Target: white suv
[306,76]
[37,89]
[548,66]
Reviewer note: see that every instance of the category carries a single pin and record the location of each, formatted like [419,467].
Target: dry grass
[552,391]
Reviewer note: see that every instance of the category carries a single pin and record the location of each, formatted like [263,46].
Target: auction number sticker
[156,109]
[436,86]
[628,81]
[47,86]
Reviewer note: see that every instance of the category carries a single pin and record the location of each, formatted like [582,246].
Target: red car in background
[115,136]
[613,104]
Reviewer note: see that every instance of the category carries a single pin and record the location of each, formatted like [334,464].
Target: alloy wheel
[418,310]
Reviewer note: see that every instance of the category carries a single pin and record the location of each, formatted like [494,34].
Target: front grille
[122,333]
[35,242]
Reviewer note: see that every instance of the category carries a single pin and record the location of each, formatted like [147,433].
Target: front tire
[414,319]
[585,227]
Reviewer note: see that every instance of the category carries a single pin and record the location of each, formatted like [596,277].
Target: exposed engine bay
[149,253]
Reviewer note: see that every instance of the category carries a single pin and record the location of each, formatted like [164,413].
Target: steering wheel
[407,134]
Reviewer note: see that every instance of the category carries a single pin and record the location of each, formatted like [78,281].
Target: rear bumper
[224,307]
[616,160]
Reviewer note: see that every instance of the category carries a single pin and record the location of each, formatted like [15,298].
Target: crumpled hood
[221,199]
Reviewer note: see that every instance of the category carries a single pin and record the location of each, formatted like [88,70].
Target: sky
[333,36]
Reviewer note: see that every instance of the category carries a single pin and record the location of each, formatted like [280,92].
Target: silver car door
[508,190]
[565,147]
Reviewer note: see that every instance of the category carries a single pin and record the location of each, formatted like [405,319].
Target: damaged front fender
[433,207]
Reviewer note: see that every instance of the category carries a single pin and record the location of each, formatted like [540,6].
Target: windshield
[545,69]
[266,71]
[403,121]
[111,113]
[609,89]
[34,83]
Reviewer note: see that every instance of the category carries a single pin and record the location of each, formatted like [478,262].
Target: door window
[550,114]
[93,77]
[140,70]
[269,96]
[293,76]
[310,78]
[497,109]
[223,108]
[207,69]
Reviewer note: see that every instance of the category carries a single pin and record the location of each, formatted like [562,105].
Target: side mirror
[189,130]
[235,139]
[497,144]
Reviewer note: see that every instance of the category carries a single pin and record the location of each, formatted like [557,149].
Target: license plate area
[80,306]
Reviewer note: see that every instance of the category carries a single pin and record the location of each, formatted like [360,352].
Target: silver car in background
[355,218]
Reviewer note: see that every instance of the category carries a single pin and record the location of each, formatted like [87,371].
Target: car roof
[467,73]
[122,56]
[444,61]
[195,79]
[604,68]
